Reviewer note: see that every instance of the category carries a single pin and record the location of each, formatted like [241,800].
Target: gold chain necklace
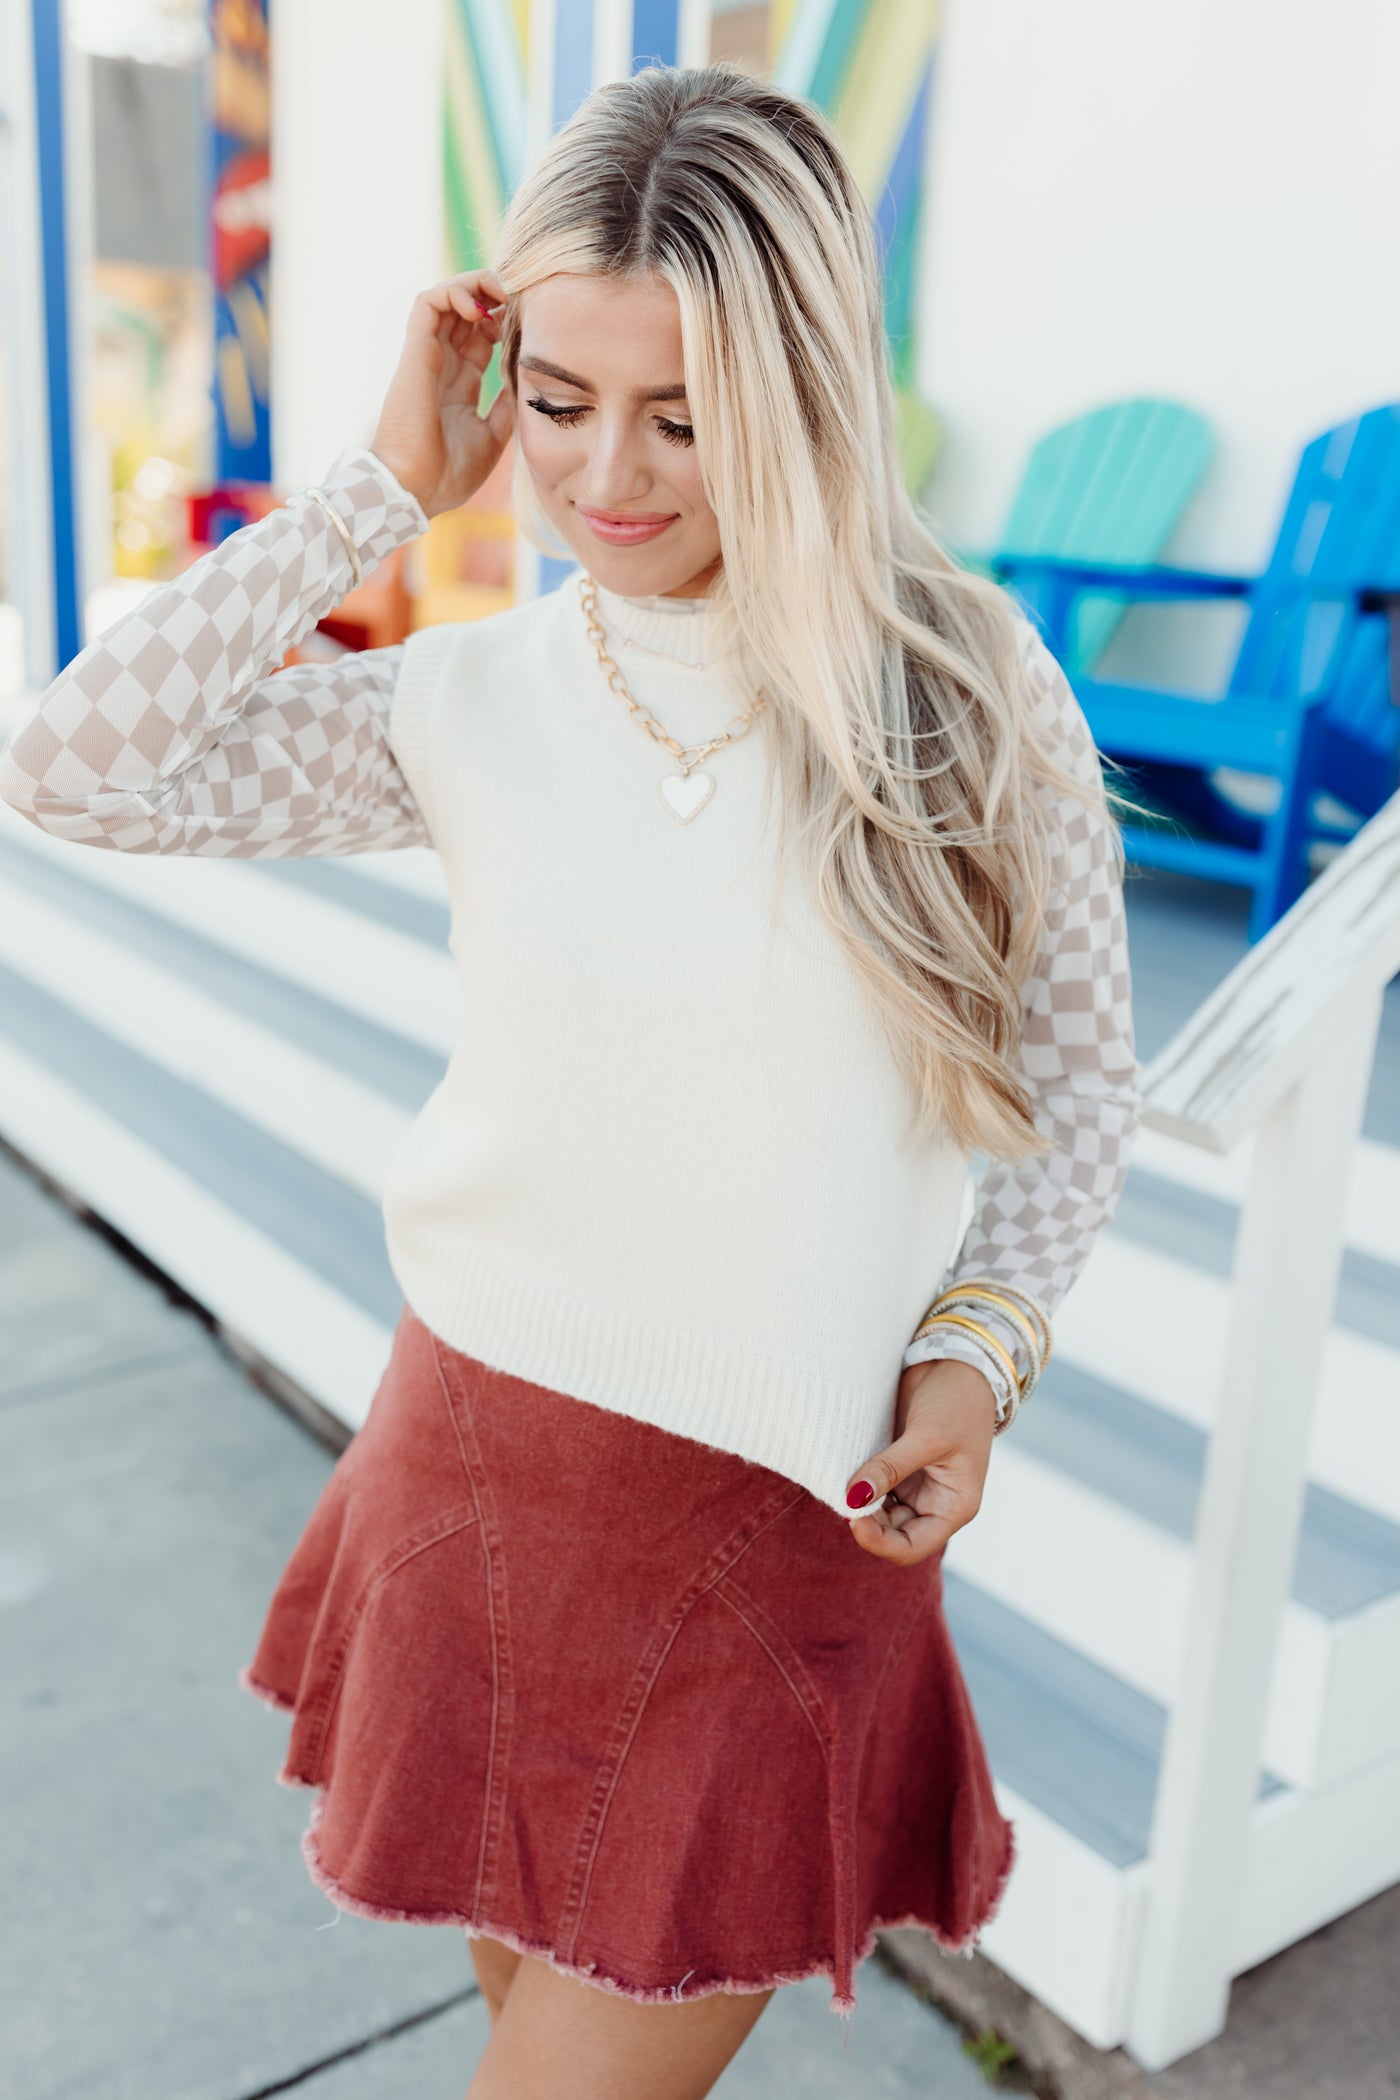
[685,796]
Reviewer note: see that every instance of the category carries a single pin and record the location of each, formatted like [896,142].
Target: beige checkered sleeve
[1034,1224]
[174,732]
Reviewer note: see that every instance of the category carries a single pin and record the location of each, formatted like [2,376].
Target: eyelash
[674,433]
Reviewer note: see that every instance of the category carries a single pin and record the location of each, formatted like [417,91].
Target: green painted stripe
[838,49]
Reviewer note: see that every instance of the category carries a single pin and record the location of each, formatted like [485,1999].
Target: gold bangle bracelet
[1033,1305]
[1036,1343]
[989,1291]
[953,1319]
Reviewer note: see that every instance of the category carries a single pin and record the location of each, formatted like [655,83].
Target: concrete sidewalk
[161,1939]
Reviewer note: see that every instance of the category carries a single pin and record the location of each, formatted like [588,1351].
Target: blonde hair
[877,650]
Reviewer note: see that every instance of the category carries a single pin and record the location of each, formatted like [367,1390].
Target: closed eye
[555,412]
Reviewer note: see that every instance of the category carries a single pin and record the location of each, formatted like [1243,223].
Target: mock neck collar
[678,628]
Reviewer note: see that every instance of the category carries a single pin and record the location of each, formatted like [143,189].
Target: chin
[625,571]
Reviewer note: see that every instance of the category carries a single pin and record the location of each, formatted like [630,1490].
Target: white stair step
[1373,1208]
[244,1262]
[1156,1326]
[345,953]
[311,1106]
[1076,1756]
[1085,1528]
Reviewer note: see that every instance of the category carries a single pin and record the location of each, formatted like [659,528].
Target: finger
[484,283]
[500,416]
[479,317]
[445,300]
[882,1474]
[462,379]
[906,1542]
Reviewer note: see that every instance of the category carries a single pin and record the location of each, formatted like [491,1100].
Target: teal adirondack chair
[1108,487]
[1311,702]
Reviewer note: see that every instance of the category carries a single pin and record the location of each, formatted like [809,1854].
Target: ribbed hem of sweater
[773,1413]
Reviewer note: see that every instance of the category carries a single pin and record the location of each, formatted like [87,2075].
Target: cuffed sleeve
[175,732]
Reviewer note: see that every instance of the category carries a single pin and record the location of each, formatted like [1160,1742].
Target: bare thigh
[559,2039]
[495,1967]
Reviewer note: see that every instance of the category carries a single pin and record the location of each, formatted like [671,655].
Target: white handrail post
[1287,1259]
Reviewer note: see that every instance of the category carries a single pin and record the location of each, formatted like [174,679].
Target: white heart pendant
[685,794]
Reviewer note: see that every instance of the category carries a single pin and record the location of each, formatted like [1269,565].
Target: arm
[1035,1223]
[174,732]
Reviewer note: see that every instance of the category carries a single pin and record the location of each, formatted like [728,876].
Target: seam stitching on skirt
[724,1557]
[388,1564]
[793,1671]
[498,1610]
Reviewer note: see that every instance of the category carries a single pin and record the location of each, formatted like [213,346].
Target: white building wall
[1199,200]
[359,225]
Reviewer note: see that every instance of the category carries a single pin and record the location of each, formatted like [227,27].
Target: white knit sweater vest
[668,1170]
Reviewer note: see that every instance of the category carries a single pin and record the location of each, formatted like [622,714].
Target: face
[604,427]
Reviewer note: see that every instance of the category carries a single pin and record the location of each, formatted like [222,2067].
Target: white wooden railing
[1283,1049]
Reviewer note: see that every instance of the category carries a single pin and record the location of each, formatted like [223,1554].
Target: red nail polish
[859,1494]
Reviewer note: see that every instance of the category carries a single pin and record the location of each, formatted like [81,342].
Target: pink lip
[625,528]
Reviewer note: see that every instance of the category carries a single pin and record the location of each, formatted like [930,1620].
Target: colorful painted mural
[240,237]
[868,63]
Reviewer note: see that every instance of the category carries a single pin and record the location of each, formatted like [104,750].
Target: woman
[783,879]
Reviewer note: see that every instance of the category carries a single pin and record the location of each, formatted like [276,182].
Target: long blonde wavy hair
[896,677]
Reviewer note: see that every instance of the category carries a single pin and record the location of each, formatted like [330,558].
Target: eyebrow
[641,393]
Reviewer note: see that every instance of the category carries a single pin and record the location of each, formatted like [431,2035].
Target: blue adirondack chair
[1108,487]
[1310,705]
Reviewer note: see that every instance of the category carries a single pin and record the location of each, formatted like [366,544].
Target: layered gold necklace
[685,792]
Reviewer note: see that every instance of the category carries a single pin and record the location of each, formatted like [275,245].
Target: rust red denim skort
[617,1699]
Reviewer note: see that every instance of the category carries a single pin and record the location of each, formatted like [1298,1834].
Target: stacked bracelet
[1017,1306]
[319,497]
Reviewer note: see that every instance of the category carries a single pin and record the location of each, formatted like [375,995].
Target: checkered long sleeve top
[176,733]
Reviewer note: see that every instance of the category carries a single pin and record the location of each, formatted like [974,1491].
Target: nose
[617,474]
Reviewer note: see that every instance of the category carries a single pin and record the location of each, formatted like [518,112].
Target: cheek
[685,479]
[549,450]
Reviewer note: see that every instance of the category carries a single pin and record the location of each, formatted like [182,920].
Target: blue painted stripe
[573,58]
[51,132]
[1073,1740]
[1151,1462]
[403,1071]
[1195,1227]
[656,33]
[901,185]
[331,1229]
[402,911]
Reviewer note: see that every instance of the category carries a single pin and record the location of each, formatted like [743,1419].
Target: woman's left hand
[945,1418]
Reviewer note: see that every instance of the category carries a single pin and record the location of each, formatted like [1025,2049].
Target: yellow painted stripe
[467,120]
[521,11]
[780,19]
[882,84]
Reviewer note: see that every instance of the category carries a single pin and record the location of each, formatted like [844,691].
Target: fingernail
[859,1494]
[480,304]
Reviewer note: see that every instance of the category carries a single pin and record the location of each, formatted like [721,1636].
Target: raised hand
[431,434]
[945,1418]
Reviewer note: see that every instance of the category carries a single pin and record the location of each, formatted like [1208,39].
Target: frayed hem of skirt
[278,1701]
[843,2003]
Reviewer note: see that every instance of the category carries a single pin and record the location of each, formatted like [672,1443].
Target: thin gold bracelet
[975,1327]
[1042,1320]
[1025,1386]
[1032,1304]
[1037,1346]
